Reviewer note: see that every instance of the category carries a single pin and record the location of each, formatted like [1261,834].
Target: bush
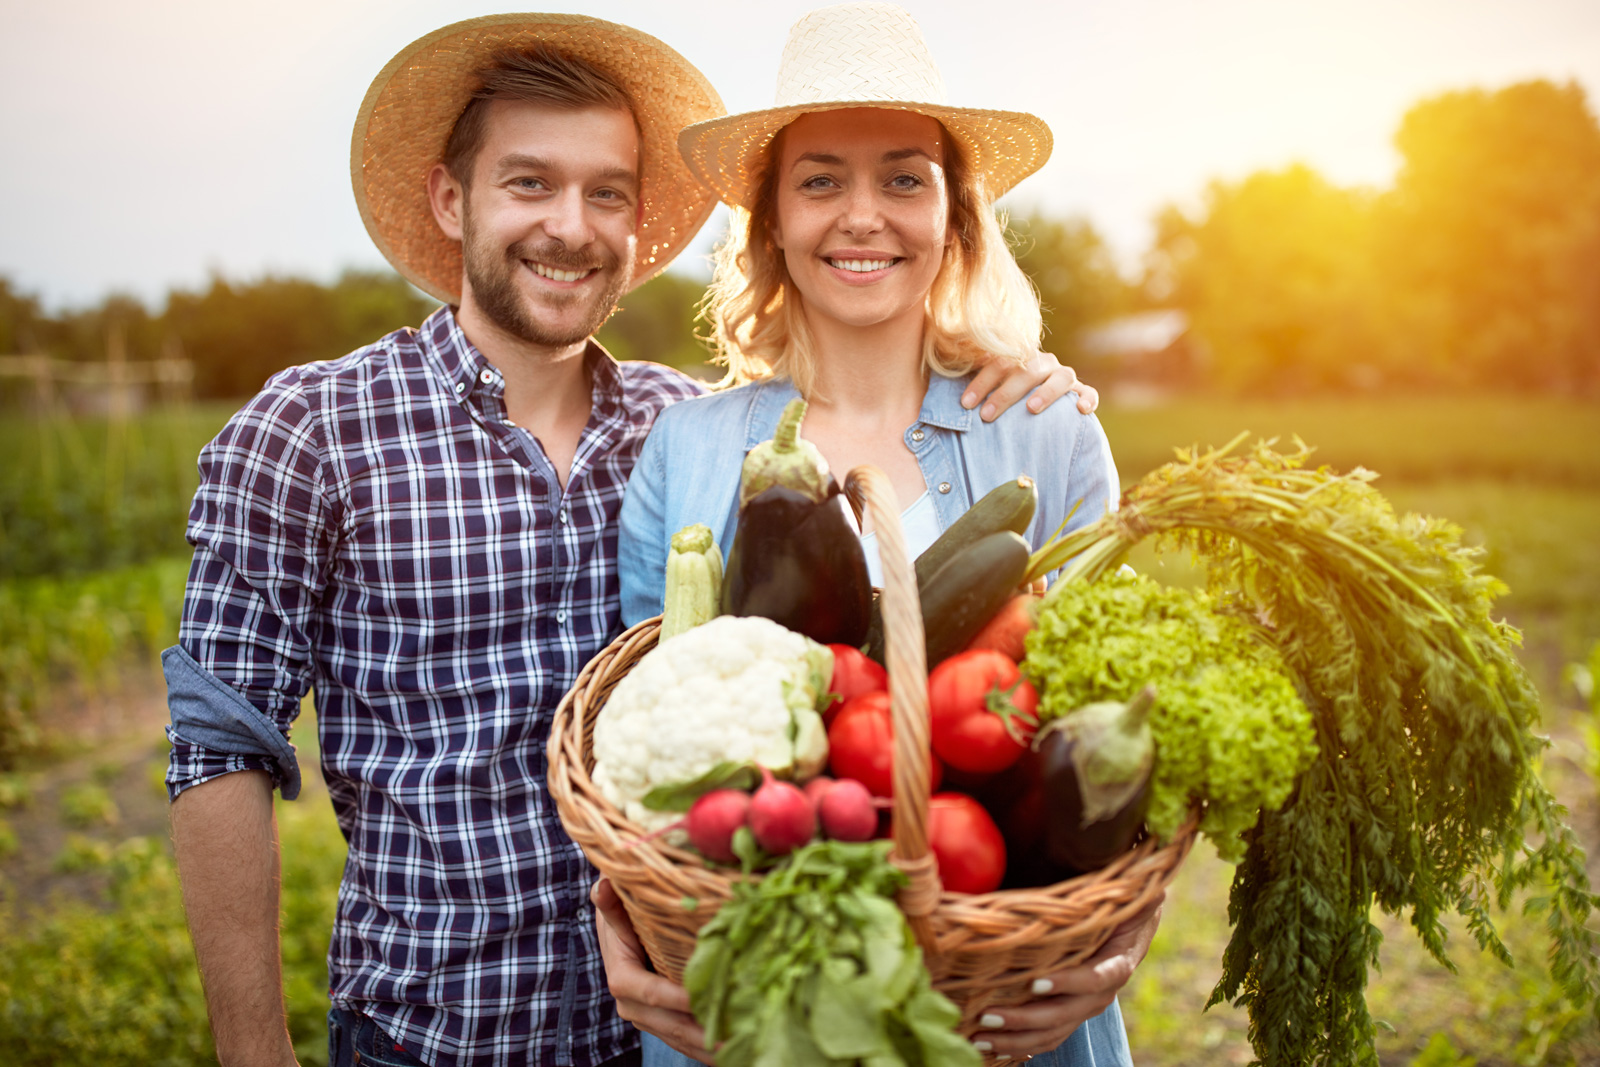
[115,983]
[85,629]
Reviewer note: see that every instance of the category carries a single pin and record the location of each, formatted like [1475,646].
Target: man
[422,532]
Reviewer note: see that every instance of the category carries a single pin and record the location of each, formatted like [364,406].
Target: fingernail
[1041,986]
[991,1021]
[969,400]
[1035,405]
[987,413]
[983,1046]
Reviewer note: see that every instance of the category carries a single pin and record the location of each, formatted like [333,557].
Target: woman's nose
[861,211]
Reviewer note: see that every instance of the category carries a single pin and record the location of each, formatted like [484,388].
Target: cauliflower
[733,689]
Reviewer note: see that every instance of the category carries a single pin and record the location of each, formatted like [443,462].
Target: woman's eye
[819,181]
[906,181]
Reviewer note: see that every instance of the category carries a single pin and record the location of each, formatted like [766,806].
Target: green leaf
[680,796]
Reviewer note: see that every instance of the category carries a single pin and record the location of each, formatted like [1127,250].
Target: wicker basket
[982,950]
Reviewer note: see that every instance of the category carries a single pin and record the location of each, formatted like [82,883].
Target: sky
[148,146]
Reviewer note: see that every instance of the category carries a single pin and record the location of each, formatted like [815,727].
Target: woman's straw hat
[414,103]
[861,55]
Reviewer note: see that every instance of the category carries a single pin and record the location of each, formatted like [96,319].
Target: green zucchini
[1008,506]
[967,591]
[963,595]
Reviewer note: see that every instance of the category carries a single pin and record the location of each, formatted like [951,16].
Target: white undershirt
[921,525]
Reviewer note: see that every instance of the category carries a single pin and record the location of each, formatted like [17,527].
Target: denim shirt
[688,471]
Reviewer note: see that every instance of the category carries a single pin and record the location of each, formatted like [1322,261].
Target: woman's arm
[642,535]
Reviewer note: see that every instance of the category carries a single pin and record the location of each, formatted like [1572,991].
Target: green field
[92,559]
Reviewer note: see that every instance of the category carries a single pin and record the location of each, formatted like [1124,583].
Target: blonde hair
[981,303]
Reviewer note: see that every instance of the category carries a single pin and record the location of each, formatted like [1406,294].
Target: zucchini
[1008,506]
[694,580]
[963,595]
[967,591]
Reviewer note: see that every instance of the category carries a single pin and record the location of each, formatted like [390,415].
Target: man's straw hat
[861,55]
[414,103]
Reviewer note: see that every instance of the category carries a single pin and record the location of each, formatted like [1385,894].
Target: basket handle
[906,658]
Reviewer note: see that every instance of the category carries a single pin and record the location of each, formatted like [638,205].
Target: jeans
[1099,1042]
[354,1039]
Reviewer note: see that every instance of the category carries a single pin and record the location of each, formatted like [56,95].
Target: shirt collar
[464,368]
[941,406]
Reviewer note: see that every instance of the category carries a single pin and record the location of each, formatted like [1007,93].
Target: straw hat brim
[727,153]
[414,102]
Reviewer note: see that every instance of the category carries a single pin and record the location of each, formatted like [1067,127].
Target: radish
[818,788]
[781,817]
[848,812]
[712,821]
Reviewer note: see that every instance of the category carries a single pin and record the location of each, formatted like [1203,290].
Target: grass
[78,629]
[81,495]
[1517,440]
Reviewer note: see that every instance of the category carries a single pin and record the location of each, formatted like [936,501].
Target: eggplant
[1095,766]
[796,556]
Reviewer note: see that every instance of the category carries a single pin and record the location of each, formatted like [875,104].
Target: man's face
[548,220]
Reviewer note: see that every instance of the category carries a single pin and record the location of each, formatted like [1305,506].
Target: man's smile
[557,274]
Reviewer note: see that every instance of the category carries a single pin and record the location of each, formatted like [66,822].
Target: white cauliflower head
[733,689]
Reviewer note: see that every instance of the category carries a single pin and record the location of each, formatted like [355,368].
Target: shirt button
[917,435]
[944,487]
[508,422]
[486,377]
[561,616]
[562,514]
[461,387]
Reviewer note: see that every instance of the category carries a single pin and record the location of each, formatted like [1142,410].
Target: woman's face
[862,214]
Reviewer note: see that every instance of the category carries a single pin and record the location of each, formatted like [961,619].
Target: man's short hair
[539,75]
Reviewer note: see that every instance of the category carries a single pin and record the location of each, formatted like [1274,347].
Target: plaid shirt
[375,528]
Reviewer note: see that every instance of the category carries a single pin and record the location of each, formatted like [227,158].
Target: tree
[1276,276]
[657,322]
[1076,275]
[1492,236]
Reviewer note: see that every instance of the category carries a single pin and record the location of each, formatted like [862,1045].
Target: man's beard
[491,274]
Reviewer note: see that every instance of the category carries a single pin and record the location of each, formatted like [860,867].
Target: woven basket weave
[982,950]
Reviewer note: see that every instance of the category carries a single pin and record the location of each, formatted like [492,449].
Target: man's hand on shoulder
[647,1000]
[998,385]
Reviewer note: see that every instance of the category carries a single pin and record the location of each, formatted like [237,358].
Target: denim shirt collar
[941,407]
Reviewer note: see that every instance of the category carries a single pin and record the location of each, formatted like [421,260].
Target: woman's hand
[999,385]
[647,1000]
[1072,997]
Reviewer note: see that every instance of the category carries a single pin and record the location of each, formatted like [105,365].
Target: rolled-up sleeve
[263,533]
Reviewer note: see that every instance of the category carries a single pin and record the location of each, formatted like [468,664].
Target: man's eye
[529,184]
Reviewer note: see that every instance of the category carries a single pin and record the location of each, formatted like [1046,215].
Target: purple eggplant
[1095,766]
[796,556]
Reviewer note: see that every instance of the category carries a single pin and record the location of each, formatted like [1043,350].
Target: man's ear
[447,199]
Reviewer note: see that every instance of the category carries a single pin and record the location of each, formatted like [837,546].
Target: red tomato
[861,745]
[967,844]
[982,711]
[853,675]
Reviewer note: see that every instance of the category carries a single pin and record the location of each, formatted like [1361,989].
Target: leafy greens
[1425,795]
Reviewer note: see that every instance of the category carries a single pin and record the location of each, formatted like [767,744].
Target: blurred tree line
[1480,267]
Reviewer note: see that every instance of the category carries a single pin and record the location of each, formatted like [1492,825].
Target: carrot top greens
[1424,796]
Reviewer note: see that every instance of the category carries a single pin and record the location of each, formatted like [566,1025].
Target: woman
[865,271]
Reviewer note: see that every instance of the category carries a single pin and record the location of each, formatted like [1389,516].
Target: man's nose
[568,219]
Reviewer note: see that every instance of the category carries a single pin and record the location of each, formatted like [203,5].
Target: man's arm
[227,845]
[999,384]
